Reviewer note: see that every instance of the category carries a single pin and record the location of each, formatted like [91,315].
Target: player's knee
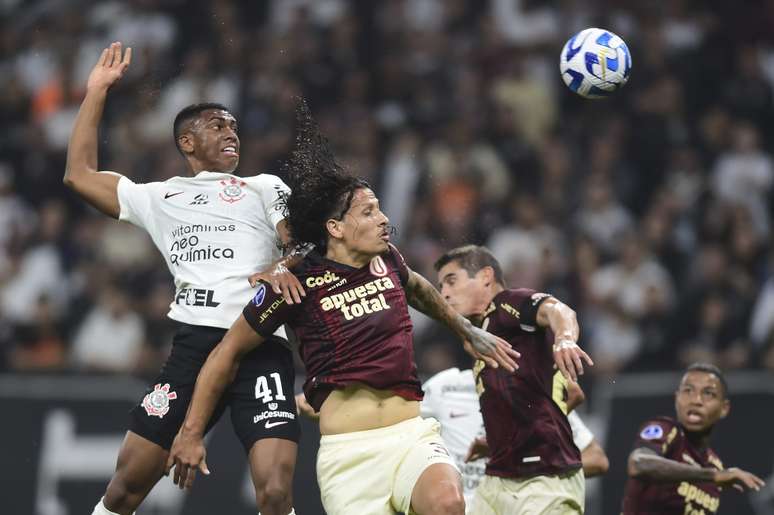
[273,498]
[123,495]
[446,501]
[274,494]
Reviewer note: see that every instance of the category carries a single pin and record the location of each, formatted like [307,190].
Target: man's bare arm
[218,372]
[100,189]
[188,454]
[562,321]
[495,351]
[645,463]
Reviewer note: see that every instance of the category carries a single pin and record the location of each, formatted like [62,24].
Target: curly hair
[321,189]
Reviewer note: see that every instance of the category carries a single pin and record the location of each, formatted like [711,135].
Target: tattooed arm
[495,351]
[645,463]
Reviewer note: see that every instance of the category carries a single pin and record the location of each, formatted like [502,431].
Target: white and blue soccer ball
[595,63]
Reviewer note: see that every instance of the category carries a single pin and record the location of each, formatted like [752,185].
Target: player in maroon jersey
[672,470]
[377,456]
[534,466]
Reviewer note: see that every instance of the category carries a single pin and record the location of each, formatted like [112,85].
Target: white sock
[292,512]
[100,509]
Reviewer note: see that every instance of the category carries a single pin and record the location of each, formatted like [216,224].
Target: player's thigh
[139,466]
[272,463]
[354,476]
[262,400]
[413,484]
[160,413]
[484,499]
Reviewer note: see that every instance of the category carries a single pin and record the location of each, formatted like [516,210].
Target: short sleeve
[274,193]
[581,434]
[656,435]
[529,306]
[400,264]
[267,311]
[135,202]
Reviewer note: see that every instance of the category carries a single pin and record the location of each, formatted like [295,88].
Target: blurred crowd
[650,212]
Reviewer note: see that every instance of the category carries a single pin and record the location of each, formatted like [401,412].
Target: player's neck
[699,439]
[482,308]
[195,167]
[341,254]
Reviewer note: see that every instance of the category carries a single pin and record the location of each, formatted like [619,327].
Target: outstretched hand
[110,67]
[739,479]
[493,350]
[569,358]
[186,455]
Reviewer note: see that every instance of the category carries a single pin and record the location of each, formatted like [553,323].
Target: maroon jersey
[527,432]
[353,325]
[668,438]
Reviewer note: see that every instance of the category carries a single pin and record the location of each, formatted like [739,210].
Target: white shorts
[374,472]
[539,495]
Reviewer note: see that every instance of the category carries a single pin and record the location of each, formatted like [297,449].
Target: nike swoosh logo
[457,415]
[168,194]
[269,425]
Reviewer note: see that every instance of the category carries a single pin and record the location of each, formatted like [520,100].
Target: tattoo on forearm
[658,468]
[425,298]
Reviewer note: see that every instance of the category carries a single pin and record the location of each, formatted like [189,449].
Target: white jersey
[214,230]
[451,398]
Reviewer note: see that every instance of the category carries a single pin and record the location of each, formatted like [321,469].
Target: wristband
[565,344]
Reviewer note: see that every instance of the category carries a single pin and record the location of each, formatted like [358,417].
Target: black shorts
[261,398]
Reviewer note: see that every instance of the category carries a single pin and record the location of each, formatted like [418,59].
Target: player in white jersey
[451,398]
[214,229]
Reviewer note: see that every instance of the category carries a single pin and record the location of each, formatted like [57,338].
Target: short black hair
[472,258]
[321,189]
[710,369]
[188,114]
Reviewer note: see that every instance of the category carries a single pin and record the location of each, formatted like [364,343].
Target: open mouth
[231,151]
[694,417]
[385,236]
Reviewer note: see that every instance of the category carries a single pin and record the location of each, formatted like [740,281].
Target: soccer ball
[595,63]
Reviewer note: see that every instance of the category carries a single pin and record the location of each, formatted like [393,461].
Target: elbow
[633,468]
[595,462]
[602,466]
[67,180]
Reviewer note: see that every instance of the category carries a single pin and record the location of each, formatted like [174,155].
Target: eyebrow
[225,119]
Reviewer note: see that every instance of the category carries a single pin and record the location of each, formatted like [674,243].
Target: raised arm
[645,463]
[561,319]
[495,351]
[100,189]
[188,453]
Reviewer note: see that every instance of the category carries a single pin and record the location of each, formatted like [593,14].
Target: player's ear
[487,274]
[725,409]
[335,228]
[185,143]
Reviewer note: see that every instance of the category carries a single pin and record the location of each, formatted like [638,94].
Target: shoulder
[518,296]
[126,181]
[658,428]
[394,254]
[265,180]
